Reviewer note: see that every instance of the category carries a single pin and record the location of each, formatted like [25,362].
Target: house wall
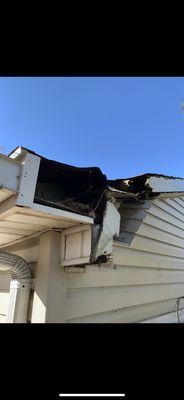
[147,277]
[142,284]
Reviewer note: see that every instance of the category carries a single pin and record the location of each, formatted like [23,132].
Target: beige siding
[164,319]
[145,280]
[148,273]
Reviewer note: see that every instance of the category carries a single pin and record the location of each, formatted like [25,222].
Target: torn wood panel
[110,229]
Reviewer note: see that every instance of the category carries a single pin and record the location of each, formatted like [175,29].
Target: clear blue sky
[126,126]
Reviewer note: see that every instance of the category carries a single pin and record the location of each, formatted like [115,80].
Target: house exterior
[77,247]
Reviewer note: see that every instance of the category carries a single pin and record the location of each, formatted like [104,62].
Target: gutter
[20,286]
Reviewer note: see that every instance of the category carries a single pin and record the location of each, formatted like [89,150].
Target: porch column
[49,302]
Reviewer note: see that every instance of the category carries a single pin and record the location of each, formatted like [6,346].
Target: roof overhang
[37,194]
[20,216]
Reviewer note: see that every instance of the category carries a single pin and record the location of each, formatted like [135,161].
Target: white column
[19,301]
[49,302]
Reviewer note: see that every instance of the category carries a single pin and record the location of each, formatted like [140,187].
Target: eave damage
[82,190]
[87,191]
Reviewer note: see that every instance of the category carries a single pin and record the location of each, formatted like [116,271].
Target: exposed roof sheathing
[87,190]
[81,190]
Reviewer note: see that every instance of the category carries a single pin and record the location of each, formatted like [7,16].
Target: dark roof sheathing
[80,190]
[85,190]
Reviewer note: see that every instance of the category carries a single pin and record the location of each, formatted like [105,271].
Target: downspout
[20,286]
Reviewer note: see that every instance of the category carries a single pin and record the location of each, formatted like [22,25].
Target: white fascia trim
[161,184]
[28,180]
[62,213]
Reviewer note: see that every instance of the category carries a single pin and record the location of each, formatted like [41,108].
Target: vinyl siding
[147,277]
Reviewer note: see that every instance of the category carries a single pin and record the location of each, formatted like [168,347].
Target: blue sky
[125,126]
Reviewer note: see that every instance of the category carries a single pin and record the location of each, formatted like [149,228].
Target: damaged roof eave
[148,183]
[55,183]
[121,194]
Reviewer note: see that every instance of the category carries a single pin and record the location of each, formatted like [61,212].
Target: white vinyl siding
[147,277]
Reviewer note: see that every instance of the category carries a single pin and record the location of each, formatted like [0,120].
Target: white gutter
[20,286]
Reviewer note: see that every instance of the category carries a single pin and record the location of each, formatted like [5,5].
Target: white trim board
[161,184]
[28,180]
